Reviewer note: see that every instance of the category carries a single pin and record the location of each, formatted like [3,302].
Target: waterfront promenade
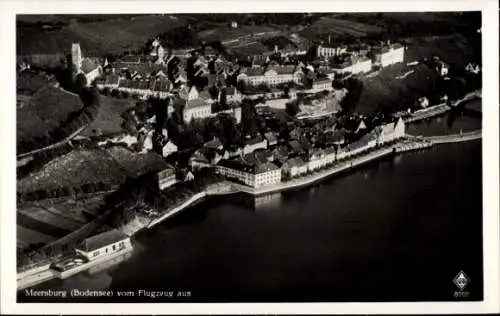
[409,143]
[455,138]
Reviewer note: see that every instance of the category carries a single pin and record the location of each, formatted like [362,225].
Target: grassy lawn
[110,36]
[109,119]
[44,112]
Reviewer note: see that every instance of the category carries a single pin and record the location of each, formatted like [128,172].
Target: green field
[110,36]
[339,27]
[227,33]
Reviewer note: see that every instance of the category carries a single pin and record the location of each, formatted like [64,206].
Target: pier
[455,138]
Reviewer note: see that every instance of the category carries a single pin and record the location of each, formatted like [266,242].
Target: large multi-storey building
[354,65]
[271,75]
[391,55]
[256,176]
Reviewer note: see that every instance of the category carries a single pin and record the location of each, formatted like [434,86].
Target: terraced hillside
[46,220]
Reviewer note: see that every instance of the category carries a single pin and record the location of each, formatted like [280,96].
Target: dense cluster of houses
[198,79]
[264,160]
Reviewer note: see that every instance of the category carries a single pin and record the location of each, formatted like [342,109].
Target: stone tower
[76,58]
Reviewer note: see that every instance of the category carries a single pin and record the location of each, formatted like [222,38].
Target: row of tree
[74,191]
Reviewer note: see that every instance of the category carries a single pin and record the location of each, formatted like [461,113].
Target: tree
[223,99]
[292,108]
[80,83]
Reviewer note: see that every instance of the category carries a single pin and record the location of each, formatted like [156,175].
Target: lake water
[398,229]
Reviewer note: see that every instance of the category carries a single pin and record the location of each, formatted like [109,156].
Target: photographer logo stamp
[461,281]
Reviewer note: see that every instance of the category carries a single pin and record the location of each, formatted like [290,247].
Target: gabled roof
[265,167]
[130,59]
[294,162]
[270,137]
[295,145]
[214,143]
[89,64]
[196,103]
[257,71]
[254,140]
[109,79]
[102,240]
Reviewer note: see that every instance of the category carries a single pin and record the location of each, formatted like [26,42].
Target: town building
[198,161]
[364,144]
[391,54]
[391,131]
[294,167]
[322,84]
[354,65]
[159,88]
[271,139]
[326,52]
[473,68]
[166,178]
[442,68]
[317,160]
[253,144]
[271,75]
[104,244]
[169,148]
[256,176]
[110,81]
[232,95]
[91,68]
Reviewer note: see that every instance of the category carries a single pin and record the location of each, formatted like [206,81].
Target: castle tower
[76,57]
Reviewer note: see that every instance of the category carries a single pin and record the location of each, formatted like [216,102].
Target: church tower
[76,58]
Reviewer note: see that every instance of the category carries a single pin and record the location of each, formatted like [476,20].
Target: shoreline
[397,148]
[141,223]
[441,108]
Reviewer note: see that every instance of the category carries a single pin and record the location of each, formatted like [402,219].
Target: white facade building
[392,55]
[254,176]
[254,144]
[294,167]
[104,244]
[390,132]
[355,66]
[271,76]
[166,178]
[325,52]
